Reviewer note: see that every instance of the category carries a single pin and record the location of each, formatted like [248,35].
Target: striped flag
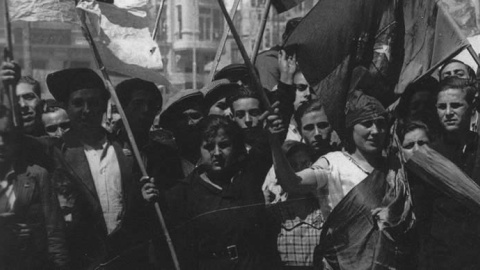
[122,36]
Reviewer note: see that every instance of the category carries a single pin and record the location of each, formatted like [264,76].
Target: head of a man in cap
[85,96]
[455,105]
[366,125]
[314,126]
[216,95]
[28,94]
[141,101]
[55,119]
[456,68]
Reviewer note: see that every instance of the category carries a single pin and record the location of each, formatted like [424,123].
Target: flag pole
[8,57]
[226,31]
[157,21]
[251,69]
[128,129]
[473,54]
[259,39]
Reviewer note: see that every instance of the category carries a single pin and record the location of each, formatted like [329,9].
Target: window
[179,21]
[210,24]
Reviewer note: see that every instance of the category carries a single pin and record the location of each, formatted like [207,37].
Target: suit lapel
[78,162]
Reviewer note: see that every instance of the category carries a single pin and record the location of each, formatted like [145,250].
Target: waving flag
[431,37]
[122,36]
[43,10]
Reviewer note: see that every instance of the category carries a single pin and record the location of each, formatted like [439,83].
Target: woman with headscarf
[359,192]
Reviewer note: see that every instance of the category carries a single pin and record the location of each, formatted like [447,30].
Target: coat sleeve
[54,223]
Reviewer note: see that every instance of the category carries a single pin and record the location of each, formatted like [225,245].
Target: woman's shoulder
[330,159]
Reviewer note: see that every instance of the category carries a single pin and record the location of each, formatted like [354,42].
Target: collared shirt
[7,194]
[107,178]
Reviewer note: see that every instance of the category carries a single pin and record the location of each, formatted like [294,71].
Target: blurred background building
[187,28]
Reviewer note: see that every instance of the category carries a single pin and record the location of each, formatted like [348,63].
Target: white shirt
[107,178]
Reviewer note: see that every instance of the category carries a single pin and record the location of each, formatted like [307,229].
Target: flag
[466,14]
[431,37]
[43,10]
[284,5]
[337,42]
[122,36]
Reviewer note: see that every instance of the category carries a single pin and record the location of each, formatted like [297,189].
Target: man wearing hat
[181,115]
[216,94]
[96,170]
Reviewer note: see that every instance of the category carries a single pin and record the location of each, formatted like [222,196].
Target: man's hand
[10,72]
[273,120]
[288,66]
[149,190]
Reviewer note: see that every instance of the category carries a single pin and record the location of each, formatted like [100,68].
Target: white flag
[43,10]
[123,38]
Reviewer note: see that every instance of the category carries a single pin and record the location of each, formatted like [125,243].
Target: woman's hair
[409,126]
[210,125]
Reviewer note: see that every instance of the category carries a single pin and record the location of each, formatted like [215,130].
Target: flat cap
[217,90]
[234,73]
[181,101]
[64,82]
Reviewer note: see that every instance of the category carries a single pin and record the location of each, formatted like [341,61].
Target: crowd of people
[242,184]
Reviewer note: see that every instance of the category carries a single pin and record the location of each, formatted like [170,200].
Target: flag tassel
[128,129]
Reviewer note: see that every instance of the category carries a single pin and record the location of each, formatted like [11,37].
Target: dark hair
[126,88]
[428,84]
[465,85]
[471,73]
[211,124]
[51,105]
[30,80]
[307,107]
[243,92]
[409,126]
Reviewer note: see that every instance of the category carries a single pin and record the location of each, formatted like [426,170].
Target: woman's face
[217,153]
[369,136]
[413,140]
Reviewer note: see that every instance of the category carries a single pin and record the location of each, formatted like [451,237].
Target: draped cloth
[369,228]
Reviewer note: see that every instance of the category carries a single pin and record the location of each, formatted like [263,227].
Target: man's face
[453,110]
[7,147]
[86,108]
[316,130]
[220,108]
[29,102]
[246,112]
[455,69]
[421,102]
[302,93]
[141,110]
[56,123]
[413,140]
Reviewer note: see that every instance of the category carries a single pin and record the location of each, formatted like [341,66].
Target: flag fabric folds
[43,10]
[431,37]
[122,36]
[284,5]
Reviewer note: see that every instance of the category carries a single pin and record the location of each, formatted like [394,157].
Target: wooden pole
[259,39]
[157,21]
[8,57]
[226,31]
[131,138]
[251,69]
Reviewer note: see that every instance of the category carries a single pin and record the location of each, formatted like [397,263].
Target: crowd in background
[242,184]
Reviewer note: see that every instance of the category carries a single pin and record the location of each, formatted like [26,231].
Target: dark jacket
[37,206]
[87,232]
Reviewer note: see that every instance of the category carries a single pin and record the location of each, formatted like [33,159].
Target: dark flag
[338,36]
[284,5]
[368,228]
[431,37]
